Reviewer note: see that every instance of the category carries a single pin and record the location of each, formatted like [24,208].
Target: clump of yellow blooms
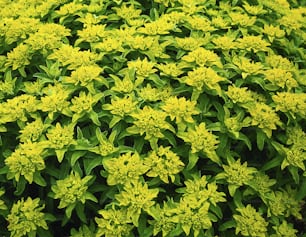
[125,168]
[250,222]
[164,164]
[26,217]
[152,118]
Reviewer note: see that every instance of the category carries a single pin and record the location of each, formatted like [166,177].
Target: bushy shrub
[152,118]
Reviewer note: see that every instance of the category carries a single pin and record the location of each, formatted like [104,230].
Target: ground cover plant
[152,118]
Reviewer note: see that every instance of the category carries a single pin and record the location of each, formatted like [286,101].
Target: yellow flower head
[180,109]
[26,217]
[121,106]
[149,121]
[201,140]
[25,161]
[60,137]
[71,190]
[250,223]
[143,67]
[125,168]
[163,163]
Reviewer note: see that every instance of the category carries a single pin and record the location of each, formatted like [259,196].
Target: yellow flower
[91,34]
[143,67]
[151,122]
[127,12]
[60,137]
[121,106]
[26,161]
[109,45]
[236,174]
[284,230]
[26,217]
[55,100]
[140,42]
[273,32]
[84,102]
[2,204]
[200,23]
[124,169]
[71,190]
[241,19]
[201,140]
[83,105]
[254,9]
[290,102]
[32,131]
[149,93]
[204,77]
[158,27]
[203,57]
[114,222]
[224,42]
[163,163]
[136,197]
[253,43]
[264,117]
[86,76]
[19,57]
[49,36]
[250,223]
[188,43]
[180,109]
[170,69]
[284,204]
[196,219]
[247,67]
[17,108]
[279,62]
[125,85]
[72,57]
[18,29]
[280,77]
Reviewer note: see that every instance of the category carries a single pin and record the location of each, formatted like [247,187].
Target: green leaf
[75,156]
[217,210]
[60,154]
[302,191]
[21,184]
[232,189]
[94,117]
[170,137]
[38,179]
[294,173]
[193,159]
[227,225]
[80,210]
[114,121]
[90,164]
[260,139]
[91,197]
[272,163]
[69,209]
[2,129]
[32,233]
[246,140]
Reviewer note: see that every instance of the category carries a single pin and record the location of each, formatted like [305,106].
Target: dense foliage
[152,118]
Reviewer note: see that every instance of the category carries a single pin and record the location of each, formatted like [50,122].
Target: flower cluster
[71,190]
[164,164]
[250,222]
[152,118]
[26,217]
[26,161]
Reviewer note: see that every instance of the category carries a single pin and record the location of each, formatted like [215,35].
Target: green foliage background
[152,118]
